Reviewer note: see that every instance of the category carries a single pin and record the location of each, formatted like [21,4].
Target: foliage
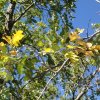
[39,54]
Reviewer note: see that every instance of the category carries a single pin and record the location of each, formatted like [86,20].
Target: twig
[41,75]
[88,28]
[24,12]
[85,88]
[52,78]
[91,37]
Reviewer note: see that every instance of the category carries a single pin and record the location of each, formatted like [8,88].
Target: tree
[40,58]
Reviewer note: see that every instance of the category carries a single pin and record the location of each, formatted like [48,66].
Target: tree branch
[91,37]
[24,12]
[86,87]
[42,74]
[52,78]
[9,21]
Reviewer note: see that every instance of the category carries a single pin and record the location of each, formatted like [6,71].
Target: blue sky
[86,13]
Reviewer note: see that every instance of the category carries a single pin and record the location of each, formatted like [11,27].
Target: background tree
[40,58]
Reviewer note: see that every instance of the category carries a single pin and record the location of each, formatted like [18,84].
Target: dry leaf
[13,52]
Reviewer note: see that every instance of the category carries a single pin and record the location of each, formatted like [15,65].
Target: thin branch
[41,75]
[87,33]
[85,88]
[91,37]
[24,12]
[52,78]
[73,95]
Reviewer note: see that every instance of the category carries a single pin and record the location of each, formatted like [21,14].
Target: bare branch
[52,78]
[87,86]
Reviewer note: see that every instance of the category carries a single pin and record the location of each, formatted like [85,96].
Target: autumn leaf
[79,50]
[81,43]
[73,36]
[72,56]
[63,41]
[40,44]
[15,38]
[4,58]
[70,46]
[13,52]
[48,50]
[78,30]
[3,73]
[89,45]
[2,44]
[89,53]
[95,47]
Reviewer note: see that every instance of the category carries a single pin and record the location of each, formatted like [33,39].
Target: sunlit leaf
[79,50]
[70,46]
[81,43]
[96,47]
[3,73]
[2,44]
[40,43]
[4,58]
[78,30]
[48,50]
[13,52]
[89,53]
[72,56]
[88,44]
[73,36]
[15,38]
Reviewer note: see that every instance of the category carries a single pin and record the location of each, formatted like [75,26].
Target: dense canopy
[42,56]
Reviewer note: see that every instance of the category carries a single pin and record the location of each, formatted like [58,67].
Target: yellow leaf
[89,44]
[81,43]
[40,44]
[96,47]
[13,52]
[2,44]
[73,36]
[70,46]
[69,54]
[79,50]
[72,56]
[17,37]
[48,50]
[78,30]
[3,74]
[74,60]
[89,53]
[4,58]
[14,40]
[62,40]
